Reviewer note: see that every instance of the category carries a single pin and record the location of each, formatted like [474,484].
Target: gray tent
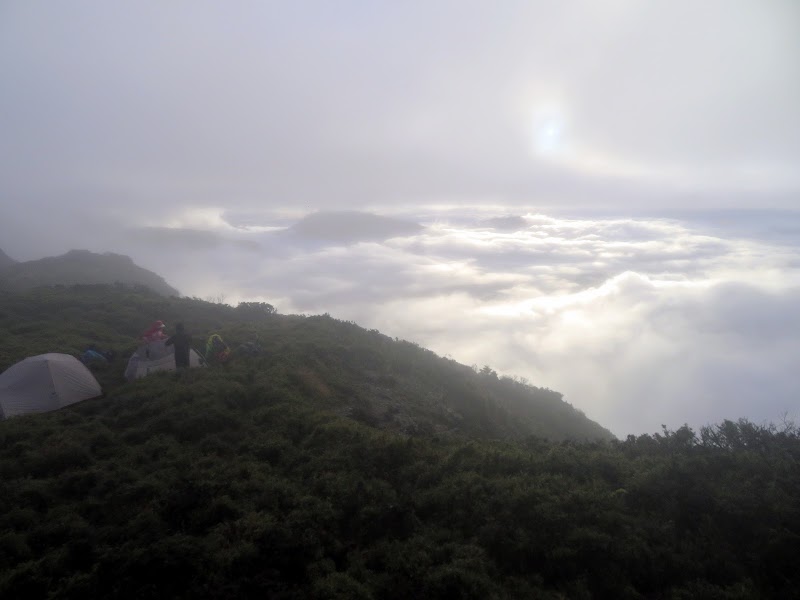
[44,383]
[154,357]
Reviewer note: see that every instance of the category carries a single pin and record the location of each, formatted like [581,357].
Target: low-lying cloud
[639,322]
[125,133]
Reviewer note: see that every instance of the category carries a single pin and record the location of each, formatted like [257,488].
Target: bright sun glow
[548,131]
[551,139]
[549,136]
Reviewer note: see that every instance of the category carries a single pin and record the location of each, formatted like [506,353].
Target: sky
[608,189]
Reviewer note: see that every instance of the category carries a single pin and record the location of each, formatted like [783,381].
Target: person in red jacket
[155,332]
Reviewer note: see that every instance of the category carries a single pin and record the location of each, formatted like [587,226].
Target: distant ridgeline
[5,260]
[79,267]
[344,227]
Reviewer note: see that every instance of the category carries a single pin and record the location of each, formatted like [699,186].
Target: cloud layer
[639,322]
[168,130]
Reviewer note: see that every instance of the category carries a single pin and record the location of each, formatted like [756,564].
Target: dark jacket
[182,342]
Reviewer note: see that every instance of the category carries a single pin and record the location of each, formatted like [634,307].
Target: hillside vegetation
[332,364]
[340,463]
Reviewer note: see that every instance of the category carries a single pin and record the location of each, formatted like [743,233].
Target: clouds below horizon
[167,129]
[639,322]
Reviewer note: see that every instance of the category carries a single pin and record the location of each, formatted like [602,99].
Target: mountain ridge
[388,383]
[81,267]
[6,260]
[347,227]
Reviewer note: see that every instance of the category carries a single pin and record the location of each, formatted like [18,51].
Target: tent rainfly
[44,383]
[155,356]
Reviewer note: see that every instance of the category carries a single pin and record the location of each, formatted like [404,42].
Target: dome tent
[155,356]
[44,383]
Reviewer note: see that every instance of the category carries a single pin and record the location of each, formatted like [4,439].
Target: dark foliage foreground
[247,481]
[211,491]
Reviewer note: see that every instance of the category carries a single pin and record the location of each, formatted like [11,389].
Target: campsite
[416,300]
[336,462]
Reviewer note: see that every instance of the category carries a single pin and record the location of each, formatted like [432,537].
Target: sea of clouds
[639,322]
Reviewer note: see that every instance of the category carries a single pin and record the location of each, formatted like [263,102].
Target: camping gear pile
[93,357]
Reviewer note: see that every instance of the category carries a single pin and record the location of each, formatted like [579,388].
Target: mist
[600,197]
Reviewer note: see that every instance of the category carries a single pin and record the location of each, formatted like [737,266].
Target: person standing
[154,333]
[182,342]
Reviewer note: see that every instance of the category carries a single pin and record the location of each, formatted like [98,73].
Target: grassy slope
[364,374]
[249,481]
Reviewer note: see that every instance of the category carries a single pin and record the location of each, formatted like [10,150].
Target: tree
[255,310]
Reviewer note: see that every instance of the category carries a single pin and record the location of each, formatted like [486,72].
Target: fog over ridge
[638,322]
[599,196]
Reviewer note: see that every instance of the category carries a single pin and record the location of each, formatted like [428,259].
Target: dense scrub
[278,476]
[196,486]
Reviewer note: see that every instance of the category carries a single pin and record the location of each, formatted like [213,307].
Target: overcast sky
[618,130]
